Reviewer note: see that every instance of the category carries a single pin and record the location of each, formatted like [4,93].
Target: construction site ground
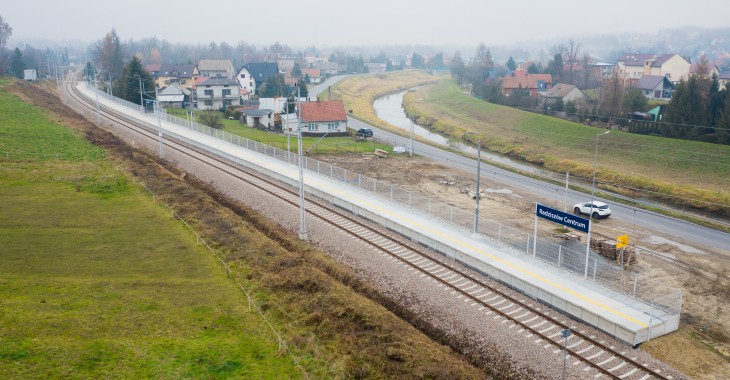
[701,347]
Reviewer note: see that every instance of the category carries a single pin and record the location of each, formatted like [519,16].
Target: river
[390,109]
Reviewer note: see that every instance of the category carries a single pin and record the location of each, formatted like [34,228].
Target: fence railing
[570,258]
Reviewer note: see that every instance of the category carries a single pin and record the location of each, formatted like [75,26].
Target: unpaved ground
[701,348]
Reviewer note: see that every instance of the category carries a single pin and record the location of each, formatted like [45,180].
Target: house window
[657,94]
[208,93]
[227,92]
[250,84]
[332,126]
[182,81]
[243,76]
[313,127]
[208,102]
[226,103]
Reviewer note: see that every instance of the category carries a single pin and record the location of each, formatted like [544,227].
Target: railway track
[533,322]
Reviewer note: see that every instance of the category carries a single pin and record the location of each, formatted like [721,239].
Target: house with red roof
[324,117]
[532,82]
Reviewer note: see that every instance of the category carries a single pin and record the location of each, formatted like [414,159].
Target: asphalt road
[547,193]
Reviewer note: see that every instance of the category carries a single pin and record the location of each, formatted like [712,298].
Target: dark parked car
[364,132]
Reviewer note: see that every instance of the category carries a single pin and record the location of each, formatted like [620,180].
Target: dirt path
[700,348]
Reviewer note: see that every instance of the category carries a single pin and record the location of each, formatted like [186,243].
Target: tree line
[699,109]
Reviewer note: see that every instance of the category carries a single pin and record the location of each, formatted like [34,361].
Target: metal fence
[569,258]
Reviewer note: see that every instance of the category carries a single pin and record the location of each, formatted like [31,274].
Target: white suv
[600,209]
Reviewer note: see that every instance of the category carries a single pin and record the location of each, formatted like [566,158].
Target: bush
[211,119]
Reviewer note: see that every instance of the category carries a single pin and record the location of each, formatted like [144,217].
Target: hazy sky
[364,22]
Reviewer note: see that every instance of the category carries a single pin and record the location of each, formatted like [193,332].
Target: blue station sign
[568,220]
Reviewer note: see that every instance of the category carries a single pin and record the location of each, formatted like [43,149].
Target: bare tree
[612,96]
[588,79]
[5,32]
[571,58]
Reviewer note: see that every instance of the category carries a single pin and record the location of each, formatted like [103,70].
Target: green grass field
[328,145]
[685,169]
[98,282]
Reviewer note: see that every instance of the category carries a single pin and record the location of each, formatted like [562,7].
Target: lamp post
[410,154]
[159,121]
[565,334]
[593,192]
[479,161]
[302,214]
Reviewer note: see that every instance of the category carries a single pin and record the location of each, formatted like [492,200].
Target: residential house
[246,81]
[216,68]
[174,96]
[532,82]
[603,69]
[724,78]
[327,69]
[314,75]
[376,67]
[184,75]
[286,65]
[258,118]
[260,72]
[216,93]
[631,67]
[277,104]
[561,91]
[711,68]
[152,68]
[655,86]
[324,117]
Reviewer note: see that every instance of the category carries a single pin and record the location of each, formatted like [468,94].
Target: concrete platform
[621,316]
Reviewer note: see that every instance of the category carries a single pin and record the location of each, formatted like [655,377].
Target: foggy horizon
[331,24]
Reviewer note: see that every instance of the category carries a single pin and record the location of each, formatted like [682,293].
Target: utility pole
[141,96]
[410,154]
[96,91]
[302,213]
[159,122]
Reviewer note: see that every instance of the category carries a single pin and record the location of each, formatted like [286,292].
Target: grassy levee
[359,92]
[685,172]
[311,145]
[98,282]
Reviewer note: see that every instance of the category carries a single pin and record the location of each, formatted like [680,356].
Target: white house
[324,117]
[245,80]
[655,86]
[315,76]
[258,118]
[724,78]
[215,93]
[634,66]
[216,68]
[174,96]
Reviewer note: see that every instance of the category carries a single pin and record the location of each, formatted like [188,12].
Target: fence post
[528,243]
[560,255]
[595,265]
[499,233]
[636,279]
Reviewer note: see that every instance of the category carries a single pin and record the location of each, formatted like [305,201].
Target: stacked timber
[607,248]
